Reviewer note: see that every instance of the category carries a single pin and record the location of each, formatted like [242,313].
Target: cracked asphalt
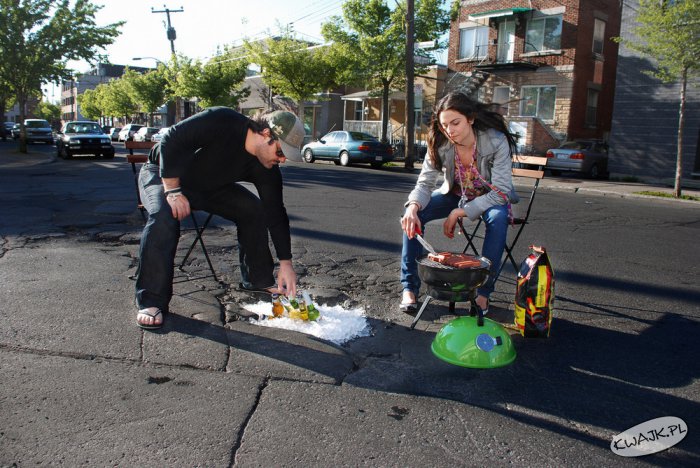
[82,385]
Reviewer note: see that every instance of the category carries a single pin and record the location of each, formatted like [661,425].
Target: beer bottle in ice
[292,307]
[313,312]
[304,313]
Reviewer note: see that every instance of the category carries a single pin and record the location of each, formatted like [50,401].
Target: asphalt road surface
[622,351]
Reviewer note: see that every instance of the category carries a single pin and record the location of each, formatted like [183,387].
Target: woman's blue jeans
[440,206]
[154,277]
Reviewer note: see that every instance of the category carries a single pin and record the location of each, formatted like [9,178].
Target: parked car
[587,157]
[36,130]
[145,133]
[348,147]
[6,130]
[127,132]
[114,133]
[83,137]
[158,136]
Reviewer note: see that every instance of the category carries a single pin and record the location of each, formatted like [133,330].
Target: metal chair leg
[198,239]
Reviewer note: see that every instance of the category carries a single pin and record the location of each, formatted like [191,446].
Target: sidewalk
[10,156]
[571,183]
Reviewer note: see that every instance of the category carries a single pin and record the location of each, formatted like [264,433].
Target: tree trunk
[409,147]
[679,151]
[22,101]
[385,109]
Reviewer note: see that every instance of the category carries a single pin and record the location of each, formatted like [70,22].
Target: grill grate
[432,264]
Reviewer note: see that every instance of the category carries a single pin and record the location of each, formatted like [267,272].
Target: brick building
[550,64]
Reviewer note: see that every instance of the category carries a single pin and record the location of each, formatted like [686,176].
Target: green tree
[7,99]
[90,105]
[293,68]
[668,31]
[369,43]
[50,112]
[117,100]
[216,82]
[38,39]
[149,90]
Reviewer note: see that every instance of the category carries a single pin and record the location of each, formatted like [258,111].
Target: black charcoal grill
[452,285]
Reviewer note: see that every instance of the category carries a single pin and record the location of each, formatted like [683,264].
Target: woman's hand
[410,222]
[448,227]
[180,206]
[287,278]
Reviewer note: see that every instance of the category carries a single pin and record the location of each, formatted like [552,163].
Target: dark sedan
[345,148]
[83,137]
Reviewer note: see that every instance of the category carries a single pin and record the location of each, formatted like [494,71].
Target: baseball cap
[290,131]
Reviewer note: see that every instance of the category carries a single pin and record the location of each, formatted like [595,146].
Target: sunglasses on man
[279,153]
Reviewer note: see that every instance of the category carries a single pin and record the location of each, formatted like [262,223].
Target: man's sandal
[154,315]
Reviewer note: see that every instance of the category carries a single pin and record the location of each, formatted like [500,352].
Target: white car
[158,136]
[145,133]
[127,132]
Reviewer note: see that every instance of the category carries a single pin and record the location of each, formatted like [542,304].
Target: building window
[501,96]
[598,36]
[357,111]
[592,108]
[538,101]
[543,34]
[473,42]
[312,116]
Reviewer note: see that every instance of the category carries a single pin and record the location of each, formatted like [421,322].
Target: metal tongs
[425,243]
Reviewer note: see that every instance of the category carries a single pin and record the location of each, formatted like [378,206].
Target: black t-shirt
[207,151]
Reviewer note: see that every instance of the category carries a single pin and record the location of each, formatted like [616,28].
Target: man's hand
[448,227]
[287,278]
[180,206]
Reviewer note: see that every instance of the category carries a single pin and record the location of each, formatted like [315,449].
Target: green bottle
[313,312]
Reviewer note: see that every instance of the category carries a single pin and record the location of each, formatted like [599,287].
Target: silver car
[587,157]
[38,130]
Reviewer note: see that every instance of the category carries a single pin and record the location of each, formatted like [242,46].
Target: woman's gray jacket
[495,165]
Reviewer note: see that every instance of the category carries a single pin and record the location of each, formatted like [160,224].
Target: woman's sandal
[408,306]
[150,326]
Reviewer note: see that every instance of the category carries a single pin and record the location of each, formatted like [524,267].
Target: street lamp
[151,58]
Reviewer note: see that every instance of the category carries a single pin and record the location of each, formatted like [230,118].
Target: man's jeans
[154,278]
[439,207]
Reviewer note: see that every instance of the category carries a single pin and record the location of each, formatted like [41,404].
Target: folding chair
[142,158]
[531,170]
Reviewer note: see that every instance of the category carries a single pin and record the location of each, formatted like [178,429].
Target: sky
[202,26]
[206,24]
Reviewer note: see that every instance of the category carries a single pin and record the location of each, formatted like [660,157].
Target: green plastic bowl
[463,342]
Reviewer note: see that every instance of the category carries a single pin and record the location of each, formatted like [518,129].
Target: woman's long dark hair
[484,118]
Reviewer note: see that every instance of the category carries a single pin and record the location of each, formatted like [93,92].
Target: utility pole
[410,112]
[171,31]
[171,37]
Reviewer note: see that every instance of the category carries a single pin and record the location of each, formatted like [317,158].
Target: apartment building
[550,64]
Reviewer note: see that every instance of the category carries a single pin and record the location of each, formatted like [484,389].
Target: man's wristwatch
[173,194]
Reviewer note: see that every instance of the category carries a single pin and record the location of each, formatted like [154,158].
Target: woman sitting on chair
[472,146]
